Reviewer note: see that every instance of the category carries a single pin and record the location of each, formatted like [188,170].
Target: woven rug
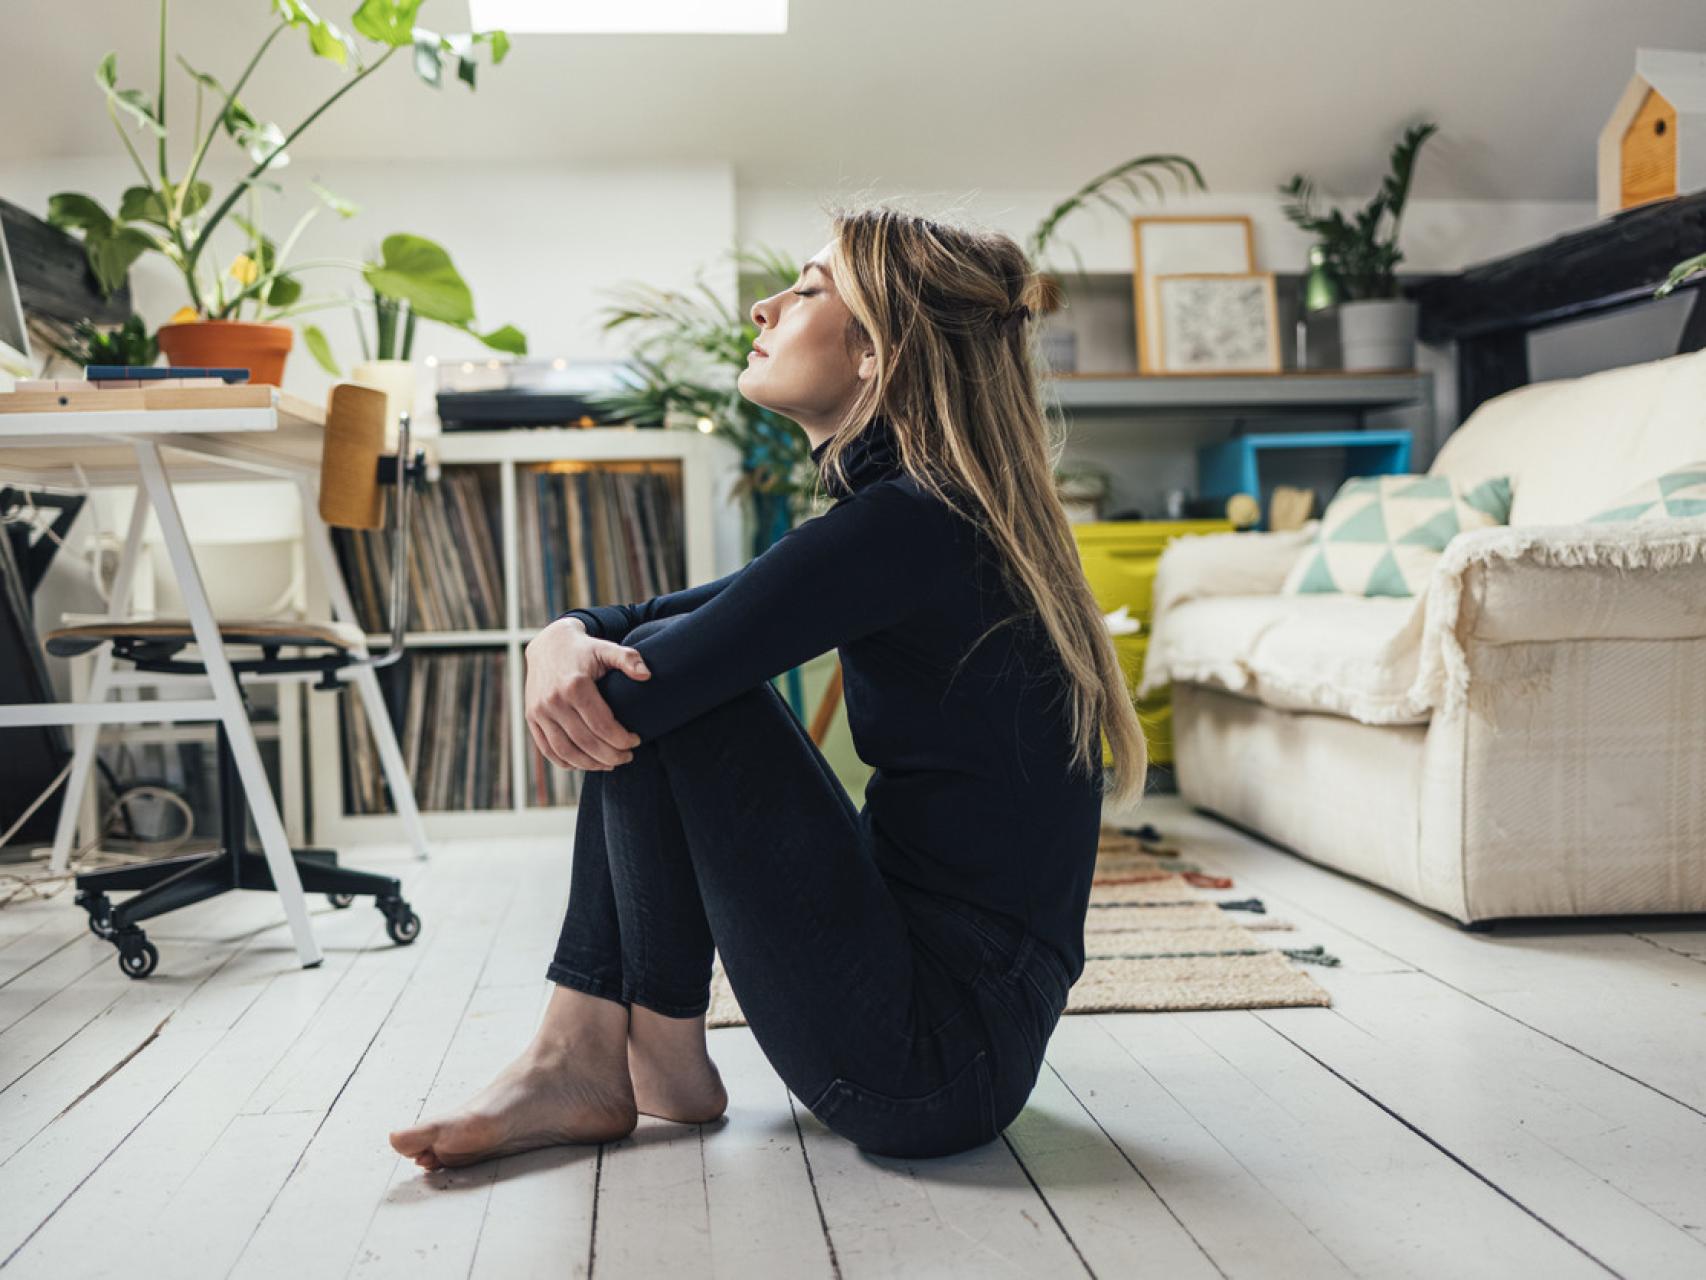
[1162,933]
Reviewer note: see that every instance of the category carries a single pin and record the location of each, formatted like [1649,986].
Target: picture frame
[1217,323]
[1182,244]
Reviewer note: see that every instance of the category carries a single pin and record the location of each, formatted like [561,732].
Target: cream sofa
[1526,738]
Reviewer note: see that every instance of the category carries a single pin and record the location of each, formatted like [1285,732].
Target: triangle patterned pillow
[1676,495]
[1382,535]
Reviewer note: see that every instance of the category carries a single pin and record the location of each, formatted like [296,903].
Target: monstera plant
[231,313]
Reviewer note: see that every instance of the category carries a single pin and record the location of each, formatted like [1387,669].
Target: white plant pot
[396,378]
[1379,333]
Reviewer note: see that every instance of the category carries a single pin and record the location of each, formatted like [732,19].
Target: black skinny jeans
[910,1023]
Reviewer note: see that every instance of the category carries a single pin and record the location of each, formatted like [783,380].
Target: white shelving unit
[704,459]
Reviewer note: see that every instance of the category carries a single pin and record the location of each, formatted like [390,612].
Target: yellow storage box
[1119,559]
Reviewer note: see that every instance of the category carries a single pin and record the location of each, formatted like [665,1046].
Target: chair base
[169,883]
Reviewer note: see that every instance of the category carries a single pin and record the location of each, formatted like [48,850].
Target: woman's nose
[759,316]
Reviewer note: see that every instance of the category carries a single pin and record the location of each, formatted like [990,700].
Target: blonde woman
[903,965]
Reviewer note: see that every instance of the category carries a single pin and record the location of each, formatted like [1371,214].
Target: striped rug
[1162,933]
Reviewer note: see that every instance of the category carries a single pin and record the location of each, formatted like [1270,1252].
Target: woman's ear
[868,364]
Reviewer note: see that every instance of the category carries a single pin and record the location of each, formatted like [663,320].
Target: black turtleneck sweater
[971,794]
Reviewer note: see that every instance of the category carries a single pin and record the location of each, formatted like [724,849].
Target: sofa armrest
[1227,564]
[1554,583]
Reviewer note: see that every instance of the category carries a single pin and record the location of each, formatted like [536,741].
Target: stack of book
[127,387]
[454,734]
[599,533]
[455,578]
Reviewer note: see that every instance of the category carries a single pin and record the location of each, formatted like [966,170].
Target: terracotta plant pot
[230,344]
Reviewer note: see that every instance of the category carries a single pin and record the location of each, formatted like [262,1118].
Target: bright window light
[630,17]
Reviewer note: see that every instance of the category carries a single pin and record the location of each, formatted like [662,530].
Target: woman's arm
[613,621]
[867,563]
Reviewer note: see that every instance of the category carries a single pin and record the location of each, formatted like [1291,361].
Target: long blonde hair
[947,310]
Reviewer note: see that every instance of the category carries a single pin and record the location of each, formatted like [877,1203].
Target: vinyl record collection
[455,578]
[586,534]
[597,534]
[454,734]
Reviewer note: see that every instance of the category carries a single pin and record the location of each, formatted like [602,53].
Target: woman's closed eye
[804,293]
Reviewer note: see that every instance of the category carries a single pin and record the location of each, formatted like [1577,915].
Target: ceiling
[909,93]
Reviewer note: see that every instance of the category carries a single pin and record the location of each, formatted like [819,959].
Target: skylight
[630,17]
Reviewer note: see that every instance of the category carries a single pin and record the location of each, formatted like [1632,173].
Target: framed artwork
[1217,323]
[1182,245]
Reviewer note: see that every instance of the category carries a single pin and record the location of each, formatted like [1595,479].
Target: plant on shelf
[128,343]
[1122,177]
[176,217]
[1361,255]
[690,350]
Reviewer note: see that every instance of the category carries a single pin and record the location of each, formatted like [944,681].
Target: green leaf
[284,291]
[131,101]
[508,338]
[324,38]
[110,256]
[419,272]
[389,22]
[261,246]
[427,64]
[320,349]
[336,203]
[499,42]
[71,211]
[1681,273]
[237,118]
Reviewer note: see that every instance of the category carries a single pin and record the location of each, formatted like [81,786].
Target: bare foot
[688,1089]
[541,1099]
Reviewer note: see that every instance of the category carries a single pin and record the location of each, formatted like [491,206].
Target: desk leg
[366,683]
[225,693]
[84,736]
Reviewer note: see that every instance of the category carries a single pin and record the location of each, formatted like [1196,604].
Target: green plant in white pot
[1377,325]
[414,279]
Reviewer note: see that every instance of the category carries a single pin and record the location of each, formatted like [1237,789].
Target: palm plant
[1359,256]
[1124,177]
[690,349]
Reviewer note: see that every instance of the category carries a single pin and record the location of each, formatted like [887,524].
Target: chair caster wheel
[100,909]
[401,922]
[340,900]
[136,955]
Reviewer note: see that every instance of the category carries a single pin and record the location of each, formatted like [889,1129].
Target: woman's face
[800,366]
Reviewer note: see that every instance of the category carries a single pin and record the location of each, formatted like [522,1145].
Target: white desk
[153,449]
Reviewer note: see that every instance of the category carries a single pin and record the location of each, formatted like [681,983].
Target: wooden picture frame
[1214,323]
[1181,244]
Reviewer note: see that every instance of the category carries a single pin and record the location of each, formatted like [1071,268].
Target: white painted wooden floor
[1529,1103]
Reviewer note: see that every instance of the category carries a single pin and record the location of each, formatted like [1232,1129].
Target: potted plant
[413,279]
[128,343]
[177,216]
[1377,326]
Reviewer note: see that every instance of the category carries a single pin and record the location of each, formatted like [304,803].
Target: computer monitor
[15,357]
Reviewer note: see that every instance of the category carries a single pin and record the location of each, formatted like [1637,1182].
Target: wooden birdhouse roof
[1679,78]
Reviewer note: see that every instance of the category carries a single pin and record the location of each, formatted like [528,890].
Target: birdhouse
[1654,145]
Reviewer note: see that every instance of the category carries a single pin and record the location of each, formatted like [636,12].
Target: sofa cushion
[1573,445]
[1349,655]
[1382,535]
[1676,495]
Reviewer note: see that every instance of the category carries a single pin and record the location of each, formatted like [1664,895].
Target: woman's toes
[413,1141]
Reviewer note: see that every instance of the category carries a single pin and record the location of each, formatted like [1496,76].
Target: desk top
[48,449]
